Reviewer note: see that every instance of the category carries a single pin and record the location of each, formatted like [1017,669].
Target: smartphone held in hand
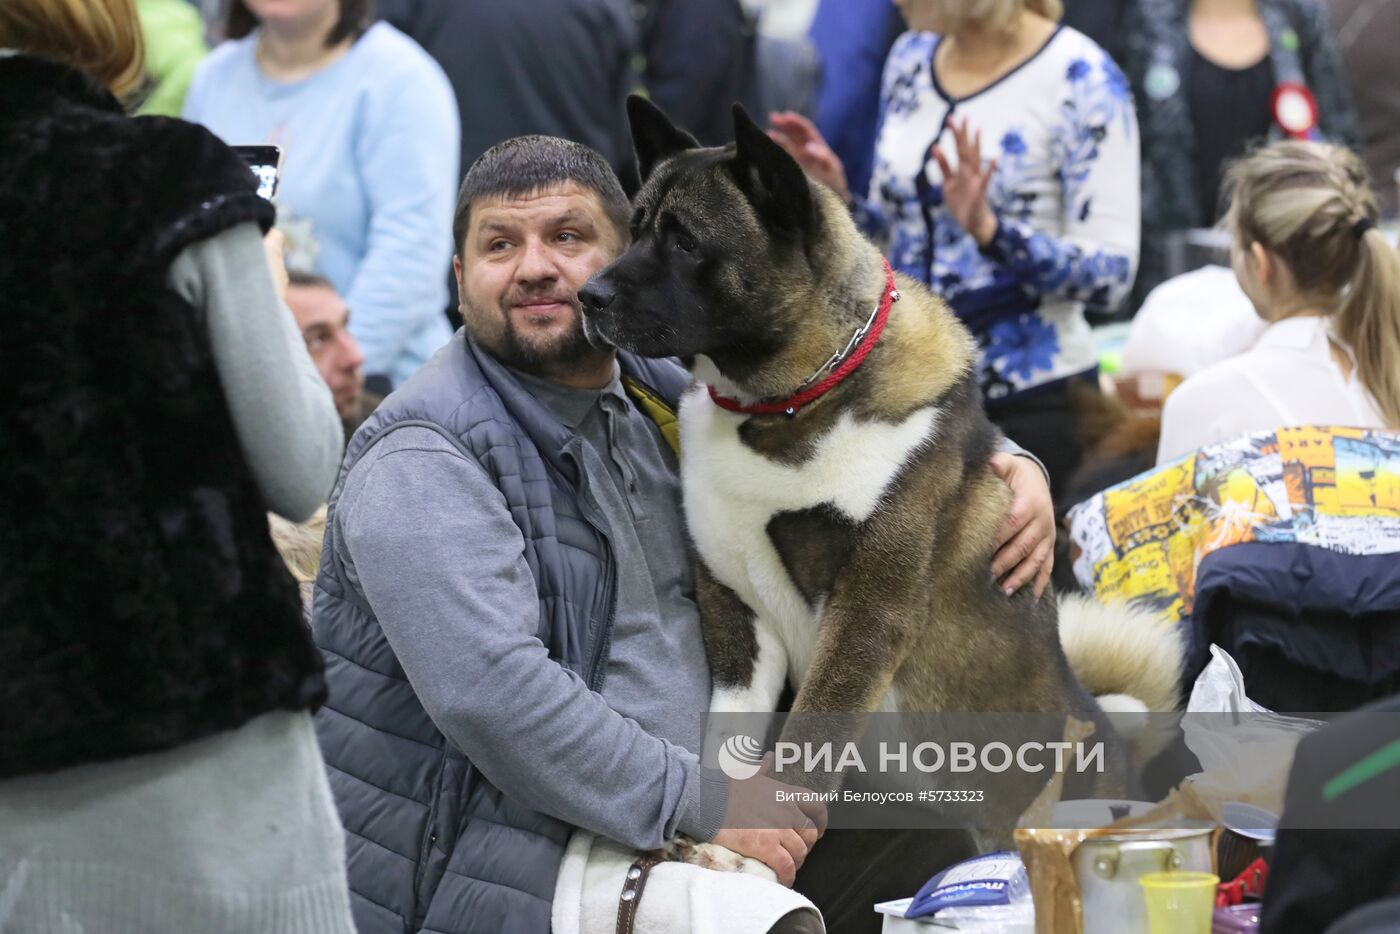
[266,163]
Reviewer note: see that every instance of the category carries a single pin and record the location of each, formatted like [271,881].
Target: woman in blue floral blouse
[1019,239]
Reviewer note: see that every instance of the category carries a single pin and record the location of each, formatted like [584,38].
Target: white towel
[678,898]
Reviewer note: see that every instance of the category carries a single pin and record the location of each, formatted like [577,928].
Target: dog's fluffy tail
[1130,661]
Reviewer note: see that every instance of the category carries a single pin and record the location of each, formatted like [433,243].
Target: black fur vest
[142,604]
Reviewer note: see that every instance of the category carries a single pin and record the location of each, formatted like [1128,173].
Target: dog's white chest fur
[732,492]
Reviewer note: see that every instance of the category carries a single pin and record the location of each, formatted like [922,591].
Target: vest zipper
[425,850]
[593,676]
[604,640]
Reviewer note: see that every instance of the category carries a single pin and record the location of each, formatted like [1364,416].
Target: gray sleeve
[1007,446]
[429,542]
[282,410]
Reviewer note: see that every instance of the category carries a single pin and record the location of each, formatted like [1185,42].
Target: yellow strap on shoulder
[656,409]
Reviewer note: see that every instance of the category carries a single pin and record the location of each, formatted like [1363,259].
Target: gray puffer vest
[432,845]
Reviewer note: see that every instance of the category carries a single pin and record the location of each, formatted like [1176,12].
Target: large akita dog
[835,458]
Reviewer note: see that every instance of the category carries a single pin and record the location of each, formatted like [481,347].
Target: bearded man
[505,600]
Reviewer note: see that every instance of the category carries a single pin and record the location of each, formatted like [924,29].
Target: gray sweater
[657,672]
[430,543]
[235,832]
[282,410]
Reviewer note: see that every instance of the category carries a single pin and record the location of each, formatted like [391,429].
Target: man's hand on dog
[1026,541]
[778,833]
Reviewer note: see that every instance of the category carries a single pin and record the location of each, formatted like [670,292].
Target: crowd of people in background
[1005,178]
[1043,166]
[1048,167]
[368,130]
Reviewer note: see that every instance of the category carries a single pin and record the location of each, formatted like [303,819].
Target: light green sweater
[174,37]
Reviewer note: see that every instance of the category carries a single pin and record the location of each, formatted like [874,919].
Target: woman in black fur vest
[158,770]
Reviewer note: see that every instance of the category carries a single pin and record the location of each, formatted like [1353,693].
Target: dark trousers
[849,871]
[1044,422]
[801,921]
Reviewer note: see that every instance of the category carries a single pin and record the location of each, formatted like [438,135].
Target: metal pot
[1108,869]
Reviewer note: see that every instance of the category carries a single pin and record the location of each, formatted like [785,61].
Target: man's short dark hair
[308,280]
[529,164]
[356,16]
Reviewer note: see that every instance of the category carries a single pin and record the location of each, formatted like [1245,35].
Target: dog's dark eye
[685,242]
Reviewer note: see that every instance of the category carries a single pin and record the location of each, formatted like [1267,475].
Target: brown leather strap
[632,886]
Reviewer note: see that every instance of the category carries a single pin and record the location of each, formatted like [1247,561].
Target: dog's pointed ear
[774,182]
[654,136]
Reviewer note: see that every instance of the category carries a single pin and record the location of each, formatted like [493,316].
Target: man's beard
[542,357]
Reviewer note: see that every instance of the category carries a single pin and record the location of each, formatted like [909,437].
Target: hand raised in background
[965,186]
[801,139]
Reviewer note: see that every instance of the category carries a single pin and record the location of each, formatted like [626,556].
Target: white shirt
[1287,378]
[1191,322]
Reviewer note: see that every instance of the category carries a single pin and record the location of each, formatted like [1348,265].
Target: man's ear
[773,181]
[654,136]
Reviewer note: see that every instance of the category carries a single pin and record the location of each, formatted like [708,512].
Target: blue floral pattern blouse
[1065,192]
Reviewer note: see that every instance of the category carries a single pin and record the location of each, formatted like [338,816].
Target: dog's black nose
[597,294]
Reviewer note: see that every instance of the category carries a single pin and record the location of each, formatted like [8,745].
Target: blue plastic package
[994,879]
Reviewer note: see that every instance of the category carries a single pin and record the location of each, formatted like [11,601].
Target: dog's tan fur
[902,594]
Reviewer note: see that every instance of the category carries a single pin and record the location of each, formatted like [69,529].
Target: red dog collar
[842,363]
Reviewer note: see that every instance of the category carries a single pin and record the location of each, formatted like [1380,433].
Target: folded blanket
[678,898]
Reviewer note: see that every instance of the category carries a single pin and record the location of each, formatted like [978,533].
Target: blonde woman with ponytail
[1309,256]
[1006,179]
